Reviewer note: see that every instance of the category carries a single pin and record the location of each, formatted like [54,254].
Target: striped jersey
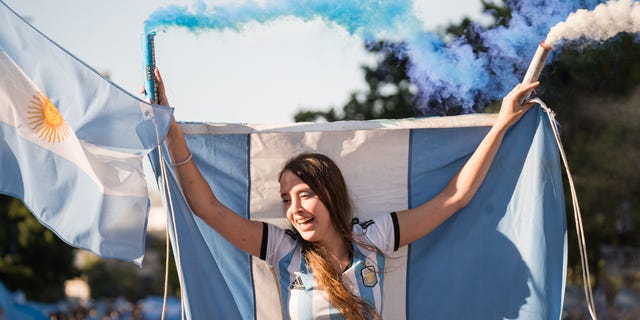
[301,296]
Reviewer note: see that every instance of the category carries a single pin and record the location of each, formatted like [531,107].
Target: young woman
[329,264]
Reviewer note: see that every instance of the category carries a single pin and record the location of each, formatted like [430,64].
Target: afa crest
[369,277]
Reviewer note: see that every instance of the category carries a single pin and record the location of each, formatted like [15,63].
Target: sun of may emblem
[46,120]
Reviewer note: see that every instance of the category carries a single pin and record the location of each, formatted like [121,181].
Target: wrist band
[177,164]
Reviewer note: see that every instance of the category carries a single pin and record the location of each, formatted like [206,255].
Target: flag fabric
[501,257]
[7,309]
[14,310]
[72,143]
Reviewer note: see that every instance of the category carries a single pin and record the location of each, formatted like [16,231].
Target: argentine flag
[501,257]
[72,143]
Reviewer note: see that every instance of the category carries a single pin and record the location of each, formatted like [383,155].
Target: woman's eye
[306,194]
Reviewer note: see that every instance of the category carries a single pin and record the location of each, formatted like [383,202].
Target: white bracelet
[177,164]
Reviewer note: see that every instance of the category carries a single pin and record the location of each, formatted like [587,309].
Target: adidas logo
[297,284]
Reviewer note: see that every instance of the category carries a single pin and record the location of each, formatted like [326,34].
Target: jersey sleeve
[382,232]
[276,243]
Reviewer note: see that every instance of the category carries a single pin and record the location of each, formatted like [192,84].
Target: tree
[597,98]
[111,278]
[32,258]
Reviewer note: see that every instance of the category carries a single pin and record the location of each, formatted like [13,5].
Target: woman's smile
[304,221]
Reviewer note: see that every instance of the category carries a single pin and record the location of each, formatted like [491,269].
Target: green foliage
[500,13]
[610,68]
[111,278]
[32,258]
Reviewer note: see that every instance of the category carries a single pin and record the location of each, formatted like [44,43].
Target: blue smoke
[445,72]
[366,18]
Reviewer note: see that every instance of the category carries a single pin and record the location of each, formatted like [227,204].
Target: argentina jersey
[301,297]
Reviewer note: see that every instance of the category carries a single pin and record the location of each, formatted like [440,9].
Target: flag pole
[149,64]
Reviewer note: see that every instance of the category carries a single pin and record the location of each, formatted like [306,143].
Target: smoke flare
[446,72]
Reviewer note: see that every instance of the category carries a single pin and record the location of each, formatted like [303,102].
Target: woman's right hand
[162,94]
[512,110]
[174,134]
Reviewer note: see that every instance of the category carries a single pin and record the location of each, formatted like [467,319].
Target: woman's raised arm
[417,222]
[245,234]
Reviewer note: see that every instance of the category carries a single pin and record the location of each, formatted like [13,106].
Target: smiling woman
[318,206]
[329,265]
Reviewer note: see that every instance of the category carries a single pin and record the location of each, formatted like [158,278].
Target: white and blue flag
[501,257]
[72,143]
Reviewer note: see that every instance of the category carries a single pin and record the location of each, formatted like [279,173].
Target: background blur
[594,89]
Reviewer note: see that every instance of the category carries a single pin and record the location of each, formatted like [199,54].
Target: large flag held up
[72,143]
[502,256]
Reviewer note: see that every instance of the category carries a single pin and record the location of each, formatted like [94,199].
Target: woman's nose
[295,206]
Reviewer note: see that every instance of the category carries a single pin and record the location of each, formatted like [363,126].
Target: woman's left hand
[511,110]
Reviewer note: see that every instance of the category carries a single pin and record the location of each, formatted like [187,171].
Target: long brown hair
[324,177]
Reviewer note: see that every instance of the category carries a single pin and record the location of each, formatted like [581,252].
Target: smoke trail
[605,21]
[369,19]
[447,73]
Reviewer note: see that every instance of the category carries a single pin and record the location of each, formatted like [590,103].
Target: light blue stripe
[224,163]
[433,161]
[284,280]
[381,272]
[480,264]
[206,292]
[366,293]
[223,160]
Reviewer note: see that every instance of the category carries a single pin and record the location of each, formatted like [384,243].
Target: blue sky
[263,74]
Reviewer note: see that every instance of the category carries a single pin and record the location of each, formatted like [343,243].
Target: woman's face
[304,210]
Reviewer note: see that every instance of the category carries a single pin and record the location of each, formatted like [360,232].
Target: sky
[264,74]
